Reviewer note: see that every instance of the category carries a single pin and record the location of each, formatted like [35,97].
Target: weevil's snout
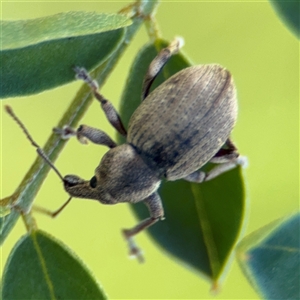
[87,189]
[75,185]
[72,180]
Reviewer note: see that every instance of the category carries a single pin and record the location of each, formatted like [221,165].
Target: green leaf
[30,185]
[203,221]
[40,54]
[40,267]
[23,33]
[270,259]
[289,12]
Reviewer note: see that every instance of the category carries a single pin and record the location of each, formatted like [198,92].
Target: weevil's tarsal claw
[134,250]
[242,161]
[82,74]
[176,45]
[66,132]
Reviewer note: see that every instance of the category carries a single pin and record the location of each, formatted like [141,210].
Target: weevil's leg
[200,176]
[227,157]
[85,133]
[110,112]
[50,213]
[157,64]
[156,210]
[226,154]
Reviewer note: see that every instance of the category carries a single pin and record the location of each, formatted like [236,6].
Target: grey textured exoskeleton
[180,126]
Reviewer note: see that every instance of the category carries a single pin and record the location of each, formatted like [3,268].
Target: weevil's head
[122,176]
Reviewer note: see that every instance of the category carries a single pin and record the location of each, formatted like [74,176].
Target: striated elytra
[185,121]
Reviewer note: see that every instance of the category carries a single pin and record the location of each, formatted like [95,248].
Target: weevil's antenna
[38,148]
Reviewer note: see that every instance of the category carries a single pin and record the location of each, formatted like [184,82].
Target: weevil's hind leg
[157,64]
[155,207]
[84,133]
[200,176]
[110,112]
[227,158]
[226,154]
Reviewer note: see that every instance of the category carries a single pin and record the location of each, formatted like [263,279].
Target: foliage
[35,260]
[270,258]
[289,11]
[203,232]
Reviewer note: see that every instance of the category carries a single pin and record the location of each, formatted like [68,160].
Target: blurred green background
[263,56]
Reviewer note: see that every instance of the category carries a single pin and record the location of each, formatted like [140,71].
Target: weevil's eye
[93,182]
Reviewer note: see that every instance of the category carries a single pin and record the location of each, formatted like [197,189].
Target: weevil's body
[180,126]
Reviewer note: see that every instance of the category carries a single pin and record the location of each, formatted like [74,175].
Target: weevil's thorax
[122,176]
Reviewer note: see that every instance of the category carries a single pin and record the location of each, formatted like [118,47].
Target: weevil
[180,126]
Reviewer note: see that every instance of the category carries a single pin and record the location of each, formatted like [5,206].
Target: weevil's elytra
[180,126]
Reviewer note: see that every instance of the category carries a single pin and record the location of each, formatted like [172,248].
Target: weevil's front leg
[227,157]
[156,210]
[110,112]
[157,64]
[84,133]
